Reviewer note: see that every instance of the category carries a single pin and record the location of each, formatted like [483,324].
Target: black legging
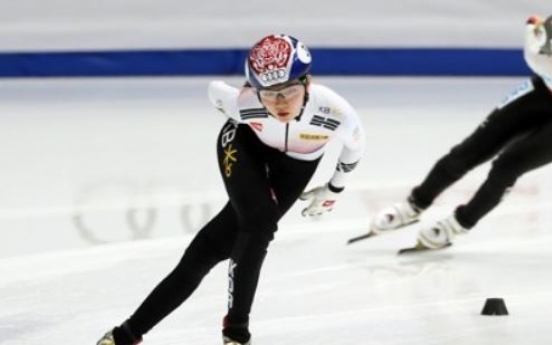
[519,132]
[262,184]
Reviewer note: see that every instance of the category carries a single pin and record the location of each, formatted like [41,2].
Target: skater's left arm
[351,134]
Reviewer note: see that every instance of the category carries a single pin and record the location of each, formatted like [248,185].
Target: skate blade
[419,248]
[361,237]
[372,234]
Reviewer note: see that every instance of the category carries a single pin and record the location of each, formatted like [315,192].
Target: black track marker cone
[494,306]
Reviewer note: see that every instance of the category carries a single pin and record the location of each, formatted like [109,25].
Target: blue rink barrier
[327,61]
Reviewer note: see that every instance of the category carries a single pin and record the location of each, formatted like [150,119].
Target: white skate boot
[395,217]
[228,341]
[441,234]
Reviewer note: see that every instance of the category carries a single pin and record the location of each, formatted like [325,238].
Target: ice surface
[57,287]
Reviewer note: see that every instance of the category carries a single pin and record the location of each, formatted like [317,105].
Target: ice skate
[228,341]
[107,339]
[124,336]
[391,218]
[441,234]
[395,217]
[420,247]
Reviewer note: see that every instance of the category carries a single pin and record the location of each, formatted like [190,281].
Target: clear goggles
[288,92]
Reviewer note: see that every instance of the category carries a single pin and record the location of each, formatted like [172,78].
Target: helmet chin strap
[303,80]
[305,100]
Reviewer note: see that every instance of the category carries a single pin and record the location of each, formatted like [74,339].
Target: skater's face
[285,101]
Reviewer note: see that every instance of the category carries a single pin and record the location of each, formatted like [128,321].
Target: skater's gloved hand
[322,199]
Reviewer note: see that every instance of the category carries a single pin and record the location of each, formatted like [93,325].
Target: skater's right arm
[225,98]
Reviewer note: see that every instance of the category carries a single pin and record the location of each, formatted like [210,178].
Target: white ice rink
[88,165]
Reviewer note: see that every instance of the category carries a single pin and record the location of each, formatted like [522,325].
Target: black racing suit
[518,134]
[262,184]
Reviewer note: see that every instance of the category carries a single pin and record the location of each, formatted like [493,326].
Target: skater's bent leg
[499,181]
[532,152]
[210,246]
[483,144]
[443,174]
[243,274]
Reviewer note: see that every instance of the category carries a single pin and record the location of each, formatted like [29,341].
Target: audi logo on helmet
[276,75]
[276,59]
